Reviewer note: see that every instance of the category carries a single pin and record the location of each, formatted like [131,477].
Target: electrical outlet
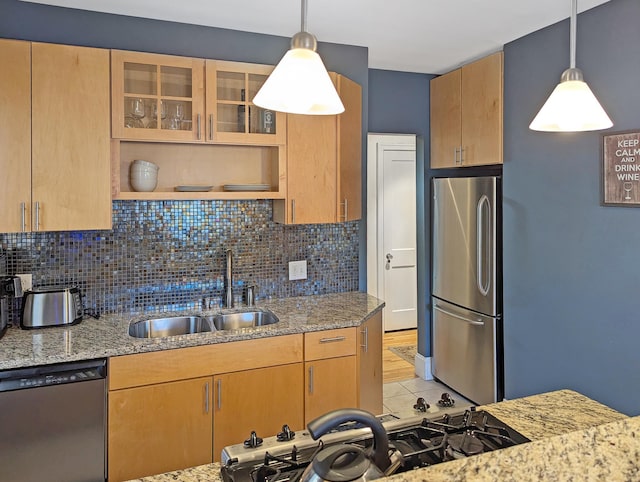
[26,280]
[297,270]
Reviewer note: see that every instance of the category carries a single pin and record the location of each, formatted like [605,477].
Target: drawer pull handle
[333,339]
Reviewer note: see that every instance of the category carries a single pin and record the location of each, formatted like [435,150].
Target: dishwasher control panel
[50,375]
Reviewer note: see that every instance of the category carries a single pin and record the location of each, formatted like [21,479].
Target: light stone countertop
[109,335]
[573,438]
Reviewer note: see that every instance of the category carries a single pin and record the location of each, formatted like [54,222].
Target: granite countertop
[573,438]
[109,335]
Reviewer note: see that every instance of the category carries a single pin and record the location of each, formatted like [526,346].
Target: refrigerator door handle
[483,245]
[476,322]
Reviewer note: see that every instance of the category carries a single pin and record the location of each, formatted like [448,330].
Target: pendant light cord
[303,20]
[573,22]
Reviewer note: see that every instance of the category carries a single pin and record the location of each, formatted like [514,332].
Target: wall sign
[621,169]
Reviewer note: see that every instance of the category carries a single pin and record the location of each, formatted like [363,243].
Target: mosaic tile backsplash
[170,255]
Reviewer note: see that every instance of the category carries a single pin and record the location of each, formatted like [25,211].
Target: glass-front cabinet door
[231,114]
[157,97]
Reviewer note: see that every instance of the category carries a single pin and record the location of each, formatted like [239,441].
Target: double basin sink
[185,325]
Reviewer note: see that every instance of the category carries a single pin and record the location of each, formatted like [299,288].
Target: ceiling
[428,36]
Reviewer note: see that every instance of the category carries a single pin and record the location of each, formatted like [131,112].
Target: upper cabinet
[157,97]
[15,136]
[466,115]
[231,116]
[56,144]
[168,98]
[324,163]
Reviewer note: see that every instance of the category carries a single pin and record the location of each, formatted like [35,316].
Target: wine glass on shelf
[628,187]
[136,114]
[177,114]
[163,114]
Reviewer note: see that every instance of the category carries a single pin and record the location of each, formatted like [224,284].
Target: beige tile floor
[400,397]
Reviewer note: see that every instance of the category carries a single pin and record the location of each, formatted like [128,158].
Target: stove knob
[421,405]
[253,441]
[286,434]
[446,400]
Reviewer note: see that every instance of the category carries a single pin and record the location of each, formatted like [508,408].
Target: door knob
[389,256]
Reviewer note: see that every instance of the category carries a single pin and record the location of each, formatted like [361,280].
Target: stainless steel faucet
[228,281]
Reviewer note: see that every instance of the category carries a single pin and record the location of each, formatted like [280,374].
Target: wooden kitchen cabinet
[466,115]
[219,139]
[231,115]
[330,371]
[170,98]
[369,365]
[258,384]
[261,400]
[197,165]
[157,97]
[324,163]
[15,135]
[59,165]
[159,428]
[219,392]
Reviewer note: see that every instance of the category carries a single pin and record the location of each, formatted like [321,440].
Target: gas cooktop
[413,443]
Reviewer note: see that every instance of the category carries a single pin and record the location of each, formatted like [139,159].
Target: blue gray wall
[399,104]
[571,270]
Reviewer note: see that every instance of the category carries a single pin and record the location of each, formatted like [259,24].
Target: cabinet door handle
[206,397]
[23,217]
[293,210]
[198,125]
[219,386]
[333,339]
[311,380]
[461,157]
[365,336]
[210,127]
[346,209]
[37,223]
[455,155]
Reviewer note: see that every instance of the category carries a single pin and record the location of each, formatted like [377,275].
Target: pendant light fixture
[300,83]
[572,107]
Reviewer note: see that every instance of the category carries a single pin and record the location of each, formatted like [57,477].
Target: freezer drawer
[464,351]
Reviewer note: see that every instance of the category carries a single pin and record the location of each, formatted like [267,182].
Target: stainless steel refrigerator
[466,300]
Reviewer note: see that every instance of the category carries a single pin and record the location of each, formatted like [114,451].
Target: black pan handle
[324,423]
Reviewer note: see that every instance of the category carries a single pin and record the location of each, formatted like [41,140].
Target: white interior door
[391,251]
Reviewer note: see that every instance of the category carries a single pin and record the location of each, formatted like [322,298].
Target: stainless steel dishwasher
[52,423]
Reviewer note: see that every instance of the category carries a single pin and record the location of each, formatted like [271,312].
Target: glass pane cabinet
[157,97]
[196,121]
[232,116]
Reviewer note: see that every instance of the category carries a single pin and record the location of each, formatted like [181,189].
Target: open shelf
[197,165]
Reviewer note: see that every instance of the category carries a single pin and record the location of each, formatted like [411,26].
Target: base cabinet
[262,400]
[369,360]
[159,428]
[179,408]
[331,384]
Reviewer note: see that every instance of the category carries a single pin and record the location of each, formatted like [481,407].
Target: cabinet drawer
[198,361]
[329,343]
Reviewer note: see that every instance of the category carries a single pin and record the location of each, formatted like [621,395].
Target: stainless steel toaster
[44,307]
